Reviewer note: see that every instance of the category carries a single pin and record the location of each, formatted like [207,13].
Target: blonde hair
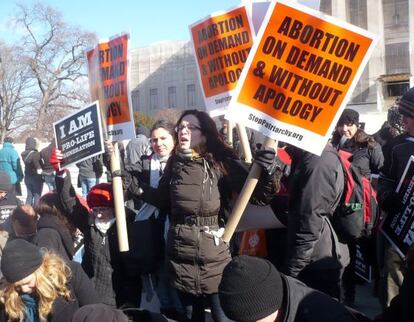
[52,279]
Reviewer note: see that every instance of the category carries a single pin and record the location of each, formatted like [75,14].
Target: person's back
[90,170]
[138,146]
[10,161]
[32,171]
[315,186]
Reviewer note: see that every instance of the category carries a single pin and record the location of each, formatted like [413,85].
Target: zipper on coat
[197,264]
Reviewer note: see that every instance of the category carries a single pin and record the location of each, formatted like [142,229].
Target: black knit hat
[406,103]
[251,289]
[349,116]
[20,259]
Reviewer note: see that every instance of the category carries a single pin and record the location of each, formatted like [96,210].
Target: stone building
[164,74]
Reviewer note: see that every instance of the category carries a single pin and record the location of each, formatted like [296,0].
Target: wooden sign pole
[244,141]
[245,195]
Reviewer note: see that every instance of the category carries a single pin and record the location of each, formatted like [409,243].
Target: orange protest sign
[108,82]
[222,43]
[253,243]
[302,69]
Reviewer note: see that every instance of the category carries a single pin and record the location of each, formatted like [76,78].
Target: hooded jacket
[31,158]
[10,163]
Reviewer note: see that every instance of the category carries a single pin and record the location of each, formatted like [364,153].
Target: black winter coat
[396,155]
[82,292]
[32,163]
[196,196]
[102,261]
[315,187]
[304,304]
[52,234]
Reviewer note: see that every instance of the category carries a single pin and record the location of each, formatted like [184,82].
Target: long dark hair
[216,151]
[361,139]
[50,205]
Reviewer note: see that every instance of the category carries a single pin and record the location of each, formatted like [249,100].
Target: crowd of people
[180,182]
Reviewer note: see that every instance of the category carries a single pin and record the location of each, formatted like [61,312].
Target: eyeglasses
[189,127]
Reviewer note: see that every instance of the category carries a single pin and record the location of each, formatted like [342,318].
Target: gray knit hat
[251,289]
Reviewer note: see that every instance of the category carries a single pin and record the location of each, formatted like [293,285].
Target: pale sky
[146,21]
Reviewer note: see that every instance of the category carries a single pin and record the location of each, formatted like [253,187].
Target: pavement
[365,301]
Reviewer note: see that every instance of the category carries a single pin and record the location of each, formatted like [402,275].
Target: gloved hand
[268,160]
[126,180]
[391,202]
[55,160]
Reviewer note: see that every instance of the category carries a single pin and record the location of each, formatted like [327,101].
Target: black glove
[268,160]
[391,202]
[125,176]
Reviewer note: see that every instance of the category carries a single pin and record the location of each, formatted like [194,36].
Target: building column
[376,64]
[339,9]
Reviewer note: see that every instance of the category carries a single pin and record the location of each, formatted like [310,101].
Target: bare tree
[170,114]
[14,88]
[55,52]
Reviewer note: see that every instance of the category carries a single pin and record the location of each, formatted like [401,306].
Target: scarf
[104,225]
[157,166]
[31,314]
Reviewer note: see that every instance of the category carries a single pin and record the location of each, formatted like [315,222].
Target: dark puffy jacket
[82,292]
[304,304]
[196,196]
[315,187]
